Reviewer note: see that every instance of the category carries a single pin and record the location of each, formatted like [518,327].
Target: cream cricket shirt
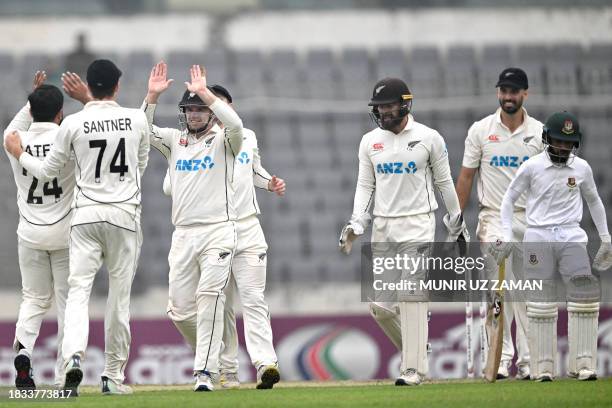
[201,170]
[554,194]
[110,147]
[399,172]
[44,206]
[498,153]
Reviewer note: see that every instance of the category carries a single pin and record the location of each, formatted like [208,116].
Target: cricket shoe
[110,387]
[544,377]
[24,380]
[409,377]
[503,372]
[523,372]
[203,381]
[584,374]
[73,376]
[267,376]
[229,380]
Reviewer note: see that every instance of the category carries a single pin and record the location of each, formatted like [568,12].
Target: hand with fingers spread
[158,82]
[74,86]
[198,85]
[277,185]
[39,78]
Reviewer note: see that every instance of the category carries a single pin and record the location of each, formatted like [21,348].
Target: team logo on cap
[380,88]
[533,259]
[571,182]
[568,127]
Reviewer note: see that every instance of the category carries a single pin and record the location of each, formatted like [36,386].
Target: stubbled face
[560,150]
[390,117]
[511,99]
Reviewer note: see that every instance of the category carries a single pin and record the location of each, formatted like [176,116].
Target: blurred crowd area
[308,107]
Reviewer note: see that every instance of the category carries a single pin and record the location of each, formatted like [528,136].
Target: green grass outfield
[515,394]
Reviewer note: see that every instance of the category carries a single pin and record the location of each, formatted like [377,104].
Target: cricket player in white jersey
[201,161]
[44,226]
[248,274]
[400,162]
[555,182]
[495,148]
[110,146]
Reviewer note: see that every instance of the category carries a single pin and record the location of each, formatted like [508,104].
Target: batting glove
[457,230]
[347,236]
[603,259]
[500,250]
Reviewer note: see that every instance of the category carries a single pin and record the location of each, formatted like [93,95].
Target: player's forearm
[149,110]
[598,214]
[444,183]
[143,154]
[507,212]
[21,121]
[261,177]
[152,97]
[42,170]
[232,123]
[364,195]
[464,186]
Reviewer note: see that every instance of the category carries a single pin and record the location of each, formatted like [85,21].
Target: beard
[512,108]
[390,123]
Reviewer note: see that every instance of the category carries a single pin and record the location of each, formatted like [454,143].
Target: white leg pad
[582,336]
[414,329]
[542,337]
[388,319]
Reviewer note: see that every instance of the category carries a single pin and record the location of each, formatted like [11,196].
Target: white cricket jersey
[399,172]
[498,153]
[44,207]
[201,170]
[554,194]
[110,146]
[249,174]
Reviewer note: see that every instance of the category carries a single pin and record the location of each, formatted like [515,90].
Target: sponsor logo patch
[378,146]
[493,138]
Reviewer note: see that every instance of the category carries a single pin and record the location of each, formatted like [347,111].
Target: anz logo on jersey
[396,168]
[243,158]
[507,161]
[194,165]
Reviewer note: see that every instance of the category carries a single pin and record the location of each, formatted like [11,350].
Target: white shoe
[409,377]
[229,380]
[544,377]
[73,376]
[203,381]
[584,374]
[110,387]
[523,373]
[267,376]
[503,372]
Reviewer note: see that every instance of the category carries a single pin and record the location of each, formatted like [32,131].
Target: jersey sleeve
[596,207]
[261,177]
[517,187]
[472,152]
[56,159]
[144,146]
[231,123]
[364,192]
[159,138]
[21,121]
[442,175]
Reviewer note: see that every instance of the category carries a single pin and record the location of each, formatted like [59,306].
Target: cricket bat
[495,329]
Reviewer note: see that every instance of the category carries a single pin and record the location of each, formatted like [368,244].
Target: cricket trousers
[200,260]
[488,231]
[248,280]
[92,245]
[44,276]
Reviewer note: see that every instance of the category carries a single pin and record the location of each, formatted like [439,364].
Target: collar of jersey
[93,104]
[518,130]
[43,126]
[212,132]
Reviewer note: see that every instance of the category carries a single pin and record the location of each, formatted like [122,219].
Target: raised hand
[39,78]
[277,185]
[158,81]
[12,144]
[198,79]
[74,86]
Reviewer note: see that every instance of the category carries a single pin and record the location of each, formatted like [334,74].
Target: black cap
[390,90]
[221,91]
[563,126]
[514,78]
[103,74]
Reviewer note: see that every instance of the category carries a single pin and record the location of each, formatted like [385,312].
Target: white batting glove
[603,259]
[457,230]
[500,250]
[347,236]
